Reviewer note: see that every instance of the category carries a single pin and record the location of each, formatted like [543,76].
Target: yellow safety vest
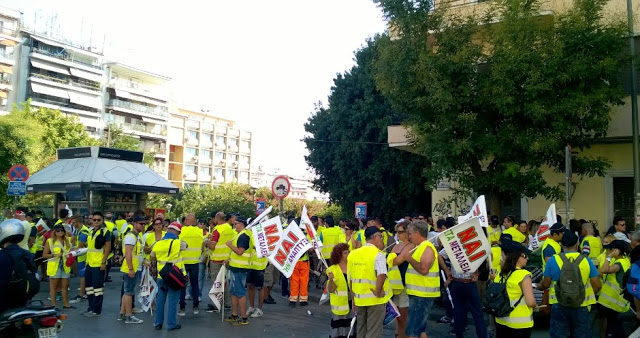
[95,256]
[330,237]
[86,231]
[362,274]
[38,245]
[163,256]
[611,294]
[494,234]
[119,223]
[320,230]
[151,240]
[241,261]
[595,246]
[496,256]
[193,236]
[589,296]
[339,299]
[421,285]
[56,249]
[516,235]
[350,242]
[221,251]
[393,274]
[554,245]
[135,253]
[522,315]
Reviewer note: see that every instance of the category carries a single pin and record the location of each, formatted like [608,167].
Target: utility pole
[634,113]
[567,180]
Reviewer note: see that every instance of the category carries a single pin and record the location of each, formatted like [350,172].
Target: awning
[86,75]
[50,66]
[85,99]
[123,94]
[146,119]
[6,69]
[52,91]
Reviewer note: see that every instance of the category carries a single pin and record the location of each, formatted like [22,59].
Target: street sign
[17,188]
[261,204]
[361,210]
[280,187]
[18,173]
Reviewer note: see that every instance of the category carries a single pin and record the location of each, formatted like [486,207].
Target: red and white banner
[466,245]
[544,229]
[216,293]
[291,246]
[42,226]
[479,209]
[266,234]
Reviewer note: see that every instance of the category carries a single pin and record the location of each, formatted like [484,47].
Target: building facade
[301,187]
[9,42]
[207,150]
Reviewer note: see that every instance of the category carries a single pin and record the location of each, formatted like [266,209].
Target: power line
[347,142]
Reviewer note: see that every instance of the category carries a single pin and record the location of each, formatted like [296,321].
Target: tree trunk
[495,204]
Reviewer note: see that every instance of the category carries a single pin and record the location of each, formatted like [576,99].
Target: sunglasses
[524,256]
[97,219]
[400,231]
[157,223]
[62,230]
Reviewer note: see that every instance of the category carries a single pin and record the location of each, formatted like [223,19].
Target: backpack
[23,284]
[633,281]
[496,300]
[570,290]
[171,274]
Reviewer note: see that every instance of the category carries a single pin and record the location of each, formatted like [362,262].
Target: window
[219,172]
[623,203]
[127,120]
[220,140]
[246,145]
[207,138]
[219,156]
[193,134]
[190,169]
[233,173]
[233,157]
[205,171]
[233,142]
[244,175]
[192,151]
[206,154]
[244,159]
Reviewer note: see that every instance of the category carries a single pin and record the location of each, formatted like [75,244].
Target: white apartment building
[9,41]
[301,188]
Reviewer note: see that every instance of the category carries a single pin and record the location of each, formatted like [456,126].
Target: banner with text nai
[466,245]
[266,234]
[291,246]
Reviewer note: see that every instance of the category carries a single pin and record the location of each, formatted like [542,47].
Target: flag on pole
[543,231]
[479,209]
[466,245]
[291,246]
[217,289]
[325,295]
[305,223]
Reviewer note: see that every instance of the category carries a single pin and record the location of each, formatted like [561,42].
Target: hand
[448,281]
[103,267]
[146,263]
[131,274]
[225,262]
[330,275]
[614,253]
[229,244]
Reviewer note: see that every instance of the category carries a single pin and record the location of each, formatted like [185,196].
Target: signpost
[261,204]
[17,188]
[280,188]
[361,210]
[19,173]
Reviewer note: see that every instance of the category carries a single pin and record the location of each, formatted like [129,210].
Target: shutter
[623,202]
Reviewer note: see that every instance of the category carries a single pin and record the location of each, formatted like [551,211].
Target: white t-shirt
[27,232]
[130,240]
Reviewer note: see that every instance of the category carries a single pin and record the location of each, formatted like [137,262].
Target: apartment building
[207,150]
[9,41]
[301,188]
[138,102]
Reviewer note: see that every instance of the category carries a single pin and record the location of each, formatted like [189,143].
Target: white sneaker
[132,320]
[257,313]
[136,310]
[250,310]
[188,296]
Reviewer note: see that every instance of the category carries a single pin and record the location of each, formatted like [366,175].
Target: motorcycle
[34,320]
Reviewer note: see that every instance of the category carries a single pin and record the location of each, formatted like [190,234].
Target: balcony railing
[62,55]
[8,31]
[145,129]
[6,55]
[160,111]
[67,81]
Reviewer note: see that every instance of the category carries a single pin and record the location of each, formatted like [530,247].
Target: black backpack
[23,284]
[496,300]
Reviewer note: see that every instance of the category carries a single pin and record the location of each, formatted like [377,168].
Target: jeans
[614,322]
[193,272]
[419,308]
[567,322]
[201,274]
[467,298]
[170,298]
[94,281]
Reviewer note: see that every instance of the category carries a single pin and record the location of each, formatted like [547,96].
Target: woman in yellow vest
[350,234]
[611,296]
[398,266]
[519,322]
[56,250]
[150,239]
[338,289]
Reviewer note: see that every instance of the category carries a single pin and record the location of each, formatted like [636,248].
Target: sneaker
[136,310]
[292,304]
[231,319]
[303,304]
[241,321]
[121,316]
[270,301]
[250,310]
[211,309]
[285,296]
[444,320]
[177,327]
[257,313]
[133,320]
[195,311]
[91,314]
[182,313]
[200,299]
[158,327]
[188,296]
[77,299]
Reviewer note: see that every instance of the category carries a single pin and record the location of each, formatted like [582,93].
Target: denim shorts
[81,268]
[419,308]
[131,283]
[237,280]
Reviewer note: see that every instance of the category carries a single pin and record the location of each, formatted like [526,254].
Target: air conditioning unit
[194,159]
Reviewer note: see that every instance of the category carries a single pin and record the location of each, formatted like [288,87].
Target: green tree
[117,138]
[348,147]
[492,99]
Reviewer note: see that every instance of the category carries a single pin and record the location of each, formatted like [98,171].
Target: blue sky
[260,63]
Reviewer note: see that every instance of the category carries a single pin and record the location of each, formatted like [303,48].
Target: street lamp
[634,112]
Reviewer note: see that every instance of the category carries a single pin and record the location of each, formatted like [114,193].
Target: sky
[260,63]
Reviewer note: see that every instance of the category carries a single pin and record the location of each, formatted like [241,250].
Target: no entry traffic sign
[280,187]
[18,173]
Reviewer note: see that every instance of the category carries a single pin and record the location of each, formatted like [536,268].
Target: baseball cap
[139,219]
[20,213]
[557,227]
[175,226]
[370,231]
[505,237]
[314,218]
[622,237]
[618,244]
[569,239]
[508,246]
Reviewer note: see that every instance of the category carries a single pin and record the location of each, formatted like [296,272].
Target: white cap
[621,236]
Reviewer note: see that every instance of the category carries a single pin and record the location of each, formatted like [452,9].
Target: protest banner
[543,231]
[291,246]
[146,301]
[42,226]
[466,245]
[145,285]
[217,289]
[479,210]
[266,234]
[305,223]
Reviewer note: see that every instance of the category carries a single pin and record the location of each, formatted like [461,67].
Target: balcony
[245,135]
[207,127]
[206,144]
[205,160]
[145,131]
[65,107]
[233,133]
[7,58]
[205,177]
[190,176]
[191,141]
[9,37]
[139,108]
[221,146]
[64,56]
[244,165]
[60,79]
[193,124]
[192,158]
[233,149]
[218,179]
[140,89]
[159,152]
[245,150]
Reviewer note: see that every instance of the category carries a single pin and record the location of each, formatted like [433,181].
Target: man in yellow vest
[367,276]
[168,250]
[219,252]
[590,246]
[422,279]
[551,245]
[132,268]
[255,280]
[81,242]
[99,248]
[566,320]
[239,263]
[116,243]
[329,237]
[194,237]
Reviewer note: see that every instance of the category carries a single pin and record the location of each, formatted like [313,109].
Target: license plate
[49,332]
